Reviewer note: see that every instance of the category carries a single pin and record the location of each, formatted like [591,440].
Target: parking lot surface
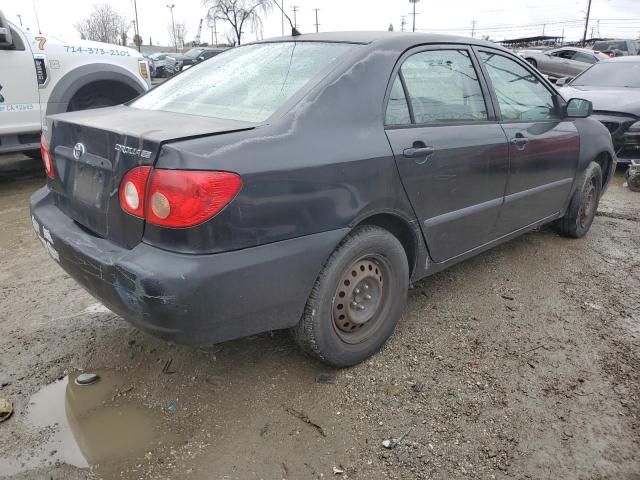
[523,362]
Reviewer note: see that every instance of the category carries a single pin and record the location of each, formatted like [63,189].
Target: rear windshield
[611,74]
[246,83]
[610,45]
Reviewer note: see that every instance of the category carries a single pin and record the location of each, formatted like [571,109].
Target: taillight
[184,198]
[177,198]
[46,157]
[132,191]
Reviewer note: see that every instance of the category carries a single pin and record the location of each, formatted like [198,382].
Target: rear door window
[443,86]
[521,96]
[585,58]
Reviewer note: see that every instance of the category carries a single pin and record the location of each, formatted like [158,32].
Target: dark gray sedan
[303,182]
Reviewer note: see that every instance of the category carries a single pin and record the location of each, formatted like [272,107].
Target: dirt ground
[523,362]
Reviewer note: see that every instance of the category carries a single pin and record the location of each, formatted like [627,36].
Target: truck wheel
[357,299]
[584,204]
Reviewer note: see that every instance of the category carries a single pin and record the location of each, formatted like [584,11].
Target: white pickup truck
[40,75]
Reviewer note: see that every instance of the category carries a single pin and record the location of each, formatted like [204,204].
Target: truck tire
[356,300]
[583,205]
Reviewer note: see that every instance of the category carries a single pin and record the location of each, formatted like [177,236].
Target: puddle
[90,426]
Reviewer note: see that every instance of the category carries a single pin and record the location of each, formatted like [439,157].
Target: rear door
[543,148]
[451,153]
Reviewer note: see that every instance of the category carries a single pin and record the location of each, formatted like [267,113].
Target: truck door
[19,95]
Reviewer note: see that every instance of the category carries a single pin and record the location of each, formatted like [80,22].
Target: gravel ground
[520,363]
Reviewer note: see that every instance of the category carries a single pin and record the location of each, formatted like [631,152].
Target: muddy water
[91,426]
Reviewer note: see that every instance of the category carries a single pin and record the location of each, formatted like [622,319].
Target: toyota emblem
[78,151]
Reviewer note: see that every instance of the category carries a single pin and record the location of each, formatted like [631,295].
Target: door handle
[520,141]
[418,152]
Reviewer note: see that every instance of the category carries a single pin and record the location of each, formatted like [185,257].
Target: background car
[158,61]
[176,62]
[562,62]
[613,86]
[617,48]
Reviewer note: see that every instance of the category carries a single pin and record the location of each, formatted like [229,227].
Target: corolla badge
[78,151]
[138,152]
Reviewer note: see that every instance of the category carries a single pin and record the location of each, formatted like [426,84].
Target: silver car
[562,62]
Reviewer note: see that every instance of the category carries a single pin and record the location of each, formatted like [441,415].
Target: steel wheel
[359,299]
[589,200]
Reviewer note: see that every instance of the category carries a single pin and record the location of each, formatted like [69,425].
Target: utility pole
[173,26]
[473,28]
[562,41]
[403,22]
[317,24]
[414,13]
[137,39]
[586,24]
[295,18]
[19,18]
[282,15]
[543,27]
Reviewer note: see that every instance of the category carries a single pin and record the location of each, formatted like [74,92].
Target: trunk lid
[92,151]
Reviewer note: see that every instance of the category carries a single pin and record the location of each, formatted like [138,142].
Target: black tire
[633,181]
[340,325]
[584,204]
[532,62]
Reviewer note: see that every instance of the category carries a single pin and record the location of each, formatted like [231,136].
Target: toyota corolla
[302,183]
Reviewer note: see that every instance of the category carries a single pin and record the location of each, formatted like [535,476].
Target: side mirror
[579,108]
[561,82]
[6,41]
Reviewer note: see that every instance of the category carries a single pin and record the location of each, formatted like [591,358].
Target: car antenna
[294,31]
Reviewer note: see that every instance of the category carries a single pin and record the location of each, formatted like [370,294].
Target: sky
[499,19]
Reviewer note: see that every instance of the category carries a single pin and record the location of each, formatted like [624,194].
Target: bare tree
[103,24]
[177,34]
[240,14]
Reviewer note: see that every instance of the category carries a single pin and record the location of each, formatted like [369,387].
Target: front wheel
[357,299]
[584,204]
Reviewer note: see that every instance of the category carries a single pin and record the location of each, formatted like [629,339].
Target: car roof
[625,59]
[380,38]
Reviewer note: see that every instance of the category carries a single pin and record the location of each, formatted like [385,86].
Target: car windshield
[609,45]
[246,83]
[157,56]
[611,74]
[193,53]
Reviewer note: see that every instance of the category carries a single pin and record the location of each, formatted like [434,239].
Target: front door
[19,95]
[543,148]
[451,153]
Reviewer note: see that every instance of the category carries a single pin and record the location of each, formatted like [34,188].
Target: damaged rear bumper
[192,299]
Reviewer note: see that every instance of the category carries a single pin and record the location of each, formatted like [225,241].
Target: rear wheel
[357,299]
[532,62]
[584,204]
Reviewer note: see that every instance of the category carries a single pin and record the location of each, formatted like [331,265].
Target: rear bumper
[192,299]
